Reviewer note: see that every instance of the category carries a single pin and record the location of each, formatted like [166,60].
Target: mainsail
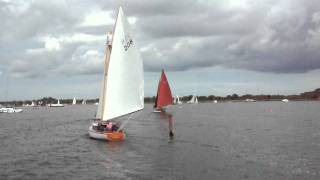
[164,96]
[178,100]
[122,89]
[193,100]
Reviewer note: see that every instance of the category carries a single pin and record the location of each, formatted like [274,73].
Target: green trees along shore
[312,95]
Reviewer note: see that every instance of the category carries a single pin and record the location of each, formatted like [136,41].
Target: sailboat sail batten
[124,91]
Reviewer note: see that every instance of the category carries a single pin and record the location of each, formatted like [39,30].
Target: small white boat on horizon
[193,100]
[74,101]
[285,100]
[84,102]
[177,100]
[56,105]
[10,110]
[249,100]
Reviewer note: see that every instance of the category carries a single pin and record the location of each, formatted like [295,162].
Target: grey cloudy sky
[55,48]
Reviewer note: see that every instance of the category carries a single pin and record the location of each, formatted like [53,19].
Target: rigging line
[124,123]
[130,116]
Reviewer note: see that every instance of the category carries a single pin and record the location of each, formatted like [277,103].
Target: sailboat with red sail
[164,96]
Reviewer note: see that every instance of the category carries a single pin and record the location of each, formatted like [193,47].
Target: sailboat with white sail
[122,87]
[74,101]
[84,102]
[10,110]
[193,100]
[177,100]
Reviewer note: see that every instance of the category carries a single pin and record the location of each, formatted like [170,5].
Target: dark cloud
[39,38]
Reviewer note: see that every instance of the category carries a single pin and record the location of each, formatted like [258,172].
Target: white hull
[96,135]
[10,110]
[103,135]
[156,111]
[56,105]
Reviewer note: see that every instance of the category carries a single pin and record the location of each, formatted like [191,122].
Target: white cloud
[52,44]
[98,18]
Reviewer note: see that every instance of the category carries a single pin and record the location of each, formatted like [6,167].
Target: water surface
[260,140]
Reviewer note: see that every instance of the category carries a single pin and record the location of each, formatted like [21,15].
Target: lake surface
[260,140]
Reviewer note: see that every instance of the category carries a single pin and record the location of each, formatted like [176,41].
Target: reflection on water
[168,116]
[114,146]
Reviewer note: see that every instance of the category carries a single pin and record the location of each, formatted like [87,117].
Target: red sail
[164,96]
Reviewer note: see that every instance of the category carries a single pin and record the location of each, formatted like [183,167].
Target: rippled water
[261,140]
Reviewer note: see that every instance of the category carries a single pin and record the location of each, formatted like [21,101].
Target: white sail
[123,91]
[193,100]
[178,100]
[84,101]
[74,101]
[58,101]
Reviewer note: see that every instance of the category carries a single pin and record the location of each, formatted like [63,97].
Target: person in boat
[111,126]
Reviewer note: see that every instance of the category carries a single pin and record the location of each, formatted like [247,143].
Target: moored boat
[10,110]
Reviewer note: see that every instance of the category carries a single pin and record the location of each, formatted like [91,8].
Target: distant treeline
[312,95]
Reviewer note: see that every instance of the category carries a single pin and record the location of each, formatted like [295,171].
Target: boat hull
[108,135]
[10,110]
[56,105]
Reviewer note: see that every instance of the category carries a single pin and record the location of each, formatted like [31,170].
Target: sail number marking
[127,45]
[127,42]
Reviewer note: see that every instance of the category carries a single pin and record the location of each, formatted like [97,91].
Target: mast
[105,72]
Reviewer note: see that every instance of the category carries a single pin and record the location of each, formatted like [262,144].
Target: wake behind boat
[122,87]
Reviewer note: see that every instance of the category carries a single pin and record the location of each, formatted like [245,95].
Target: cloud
[44,38]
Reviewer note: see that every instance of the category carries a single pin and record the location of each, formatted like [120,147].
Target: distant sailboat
[56,105]
[10,110]
[74,101]
[249,100]
[122,88]
[193,100]
[177,100]
[285,100]
[164,96]
[84,102]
